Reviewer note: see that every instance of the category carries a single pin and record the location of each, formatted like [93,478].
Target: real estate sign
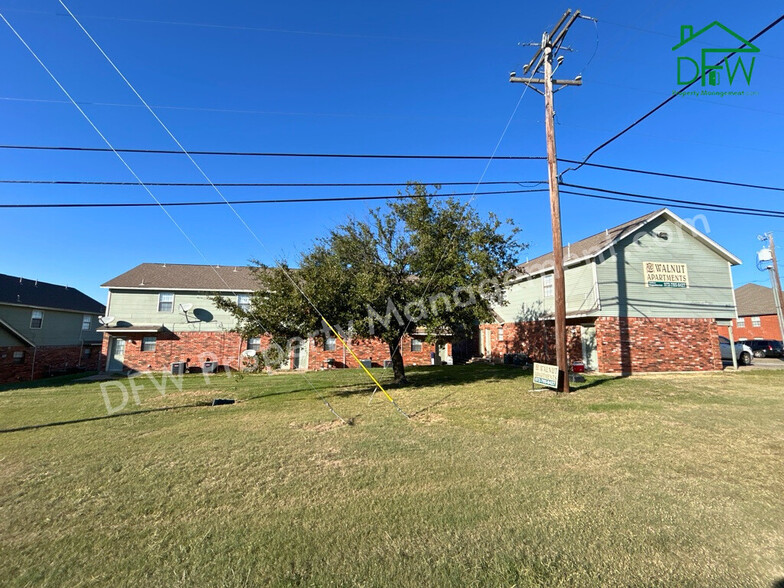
[546,375]
[665,275]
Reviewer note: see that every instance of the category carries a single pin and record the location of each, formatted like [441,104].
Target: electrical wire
[669,99]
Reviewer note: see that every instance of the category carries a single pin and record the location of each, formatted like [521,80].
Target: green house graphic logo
[712,73]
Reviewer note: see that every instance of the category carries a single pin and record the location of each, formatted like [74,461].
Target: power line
[663,201]
[671,98]
[265,201]
[262,184]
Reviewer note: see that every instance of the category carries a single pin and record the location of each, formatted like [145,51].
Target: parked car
[742,351]
[766,347]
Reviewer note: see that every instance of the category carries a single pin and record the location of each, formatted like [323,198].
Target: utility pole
[776,283]
[543,58]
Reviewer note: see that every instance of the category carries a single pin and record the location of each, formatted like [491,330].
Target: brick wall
[374,349]
[536,339]
[226,347]
[628,345]
[768,329]
[45,361]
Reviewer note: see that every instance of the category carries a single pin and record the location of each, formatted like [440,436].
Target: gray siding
[59,327]
[622,286]
[140,307]
[8,340]
[526,299]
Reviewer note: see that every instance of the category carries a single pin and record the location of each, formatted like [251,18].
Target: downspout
[32,370]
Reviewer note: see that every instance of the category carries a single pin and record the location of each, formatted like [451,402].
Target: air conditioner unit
[209,367]
[178,367]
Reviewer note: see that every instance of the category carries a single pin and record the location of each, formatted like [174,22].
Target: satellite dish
[105,320]
[185,307]
[249,353]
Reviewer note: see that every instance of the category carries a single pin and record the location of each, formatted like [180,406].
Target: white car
[742,351]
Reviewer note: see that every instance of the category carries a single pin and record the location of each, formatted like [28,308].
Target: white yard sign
[546,375]
[665,275]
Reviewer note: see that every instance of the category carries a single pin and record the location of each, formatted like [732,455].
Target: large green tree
[420,262]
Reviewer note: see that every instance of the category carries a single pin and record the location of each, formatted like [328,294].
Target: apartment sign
[665,275]
[546,375]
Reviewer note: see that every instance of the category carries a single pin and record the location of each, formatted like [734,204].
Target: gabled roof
[754,300]
[8,328]
[180,276]
[21,291]
[688,35]
[595,245]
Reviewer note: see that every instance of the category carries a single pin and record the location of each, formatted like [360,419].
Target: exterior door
[588,335]
[117,355]
[301,356]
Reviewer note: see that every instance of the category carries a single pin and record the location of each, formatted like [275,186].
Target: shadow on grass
[100,418]
[53,382]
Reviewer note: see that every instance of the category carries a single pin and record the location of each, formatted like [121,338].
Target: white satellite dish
[249,353]
[185,307]
[105,320]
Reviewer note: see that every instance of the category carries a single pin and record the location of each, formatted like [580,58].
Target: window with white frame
[166,302]
[87,322]
[19,357]
[416,344]
[741,322]
[148,343]
[547,285]
[254,343]
[501,333]
[755,321]
[243,301]
[330,343]
[37,319]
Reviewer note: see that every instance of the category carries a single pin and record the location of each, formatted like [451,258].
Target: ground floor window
[329,343]
[254,343]
[416,344]
[148,343]
[19,357]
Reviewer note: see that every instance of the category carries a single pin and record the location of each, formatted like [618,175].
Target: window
[416,344]
[547,286]
[329,343]
[741,322]
[243,301]
[501,333]
[166,302]
[755,321]
[148,343]
[87,351]
[19,357]
[254,343]
[87,322]
[37,319]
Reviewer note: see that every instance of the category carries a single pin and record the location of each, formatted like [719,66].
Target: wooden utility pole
[543,57]
[777,285]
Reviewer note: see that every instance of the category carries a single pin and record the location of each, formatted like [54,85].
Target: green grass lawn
[674,480]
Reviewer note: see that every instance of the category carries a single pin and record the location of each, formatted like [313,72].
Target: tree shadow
[52,382]
[101,418]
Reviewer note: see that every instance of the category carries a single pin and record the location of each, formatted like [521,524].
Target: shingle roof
[589,246]
[16,290]
[592,246]
[754,300]
[178,276]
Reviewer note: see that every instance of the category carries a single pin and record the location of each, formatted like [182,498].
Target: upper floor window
[547,285]
[254,343]
[87,322]
[329,343]
[741,322]
[755,321]
[416,344]
[243,301]
[166,302]
[37,319]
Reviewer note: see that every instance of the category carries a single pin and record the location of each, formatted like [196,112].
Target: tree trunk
[398,369]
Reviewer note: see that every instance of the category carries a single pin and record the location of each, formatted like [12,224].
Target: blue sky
[363,77]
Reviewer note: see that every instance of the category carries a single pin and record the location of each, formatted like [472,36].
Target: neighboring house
[164,313]
[46,329]
[757,318]
[647,295]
